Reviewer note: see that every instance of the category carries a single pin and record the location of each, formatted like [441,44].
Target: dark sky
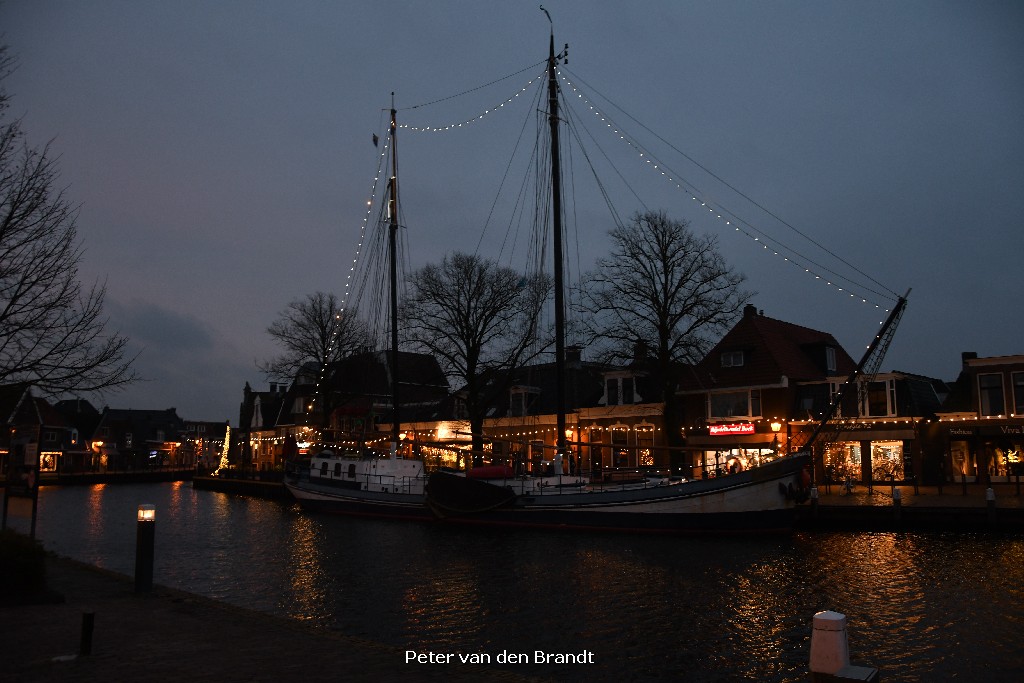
[221,154]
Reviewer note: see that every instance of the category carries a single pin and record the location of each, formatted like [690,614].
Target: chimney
[966,356]
[749,311]
[573,355]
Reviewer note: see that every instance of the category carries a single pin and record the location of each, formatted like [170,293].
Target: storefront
[873,452]
[985,450]
[731,447]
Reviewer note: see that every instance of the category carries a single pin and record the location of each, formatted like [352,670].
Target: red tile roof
[771,349]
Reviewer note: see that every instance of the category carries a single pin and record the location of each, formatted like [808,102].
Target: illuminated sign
[735,428]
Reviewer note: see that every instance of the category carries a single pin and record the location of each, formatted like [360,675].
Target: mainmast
[393,265]
[556,203]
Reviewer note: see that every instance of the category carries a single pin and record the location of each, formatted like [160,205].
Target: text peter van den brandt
[503,657]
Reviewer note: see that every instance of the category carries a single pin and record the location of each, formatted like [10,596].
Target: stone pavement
[951,495]
[168,635]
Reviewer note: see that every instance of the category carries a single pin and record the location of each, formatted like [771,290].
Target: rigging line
[479,87]
[734,189]
[574,130]
[519,205]
[504,177]
[574,294]
[692,190]
[335,324]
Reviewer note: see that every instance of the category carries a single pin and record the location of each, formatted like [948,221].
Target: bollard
[144,541]
[814,502]
[897,502]
[85,643]
[830,652]
[990,501]
[829,649]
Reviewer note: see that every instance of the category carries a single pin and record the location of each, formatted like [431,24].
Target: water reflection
[306,597]
[920,606]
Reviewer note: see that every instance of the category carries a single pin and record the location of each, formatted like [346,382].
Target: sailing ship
[755,499]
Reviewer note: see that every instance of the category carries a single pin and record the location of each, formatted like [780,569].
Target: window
[619,391]
[830,359]
[877,399]
[1018,393]
[732,359]
[520,400]
[990,395]
[735,404]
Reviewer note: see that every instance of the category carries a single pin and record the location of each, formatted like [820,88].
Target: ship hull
[761,499]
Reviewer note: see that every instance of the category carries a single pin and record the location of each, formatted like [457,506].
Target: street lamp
[145,536]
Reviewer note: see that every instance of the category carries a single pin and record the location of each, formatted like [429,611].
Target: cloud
[154,327]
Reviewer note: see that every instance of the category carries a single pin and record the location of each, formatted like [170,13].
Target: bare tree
[662,297]
[52,331]
[479,320]
[313,330]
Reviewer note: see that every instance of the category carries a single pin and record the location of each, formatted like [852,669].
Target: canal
[921,606]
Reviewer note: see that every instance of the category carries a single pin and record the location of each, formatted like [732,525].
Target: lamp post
[144,541]
[776,426]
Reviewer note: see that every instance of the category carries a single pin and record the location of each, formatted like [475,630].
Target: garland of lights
[335,329]
[453,126]
[692,192]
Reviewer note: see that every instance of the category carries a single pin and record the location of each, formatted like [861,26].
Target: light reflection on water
[920,606]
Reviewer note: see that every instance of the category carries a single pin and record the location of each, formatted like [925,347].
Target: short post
[990,502]
[85,643]
[144,542]
[814,502]
[897,502]
[830,652]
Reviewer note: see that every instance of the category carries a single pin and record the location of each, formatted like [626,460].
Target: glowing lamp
[147,513]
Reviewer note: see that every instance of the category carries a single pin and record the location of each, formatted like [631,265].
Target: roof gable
[771,350]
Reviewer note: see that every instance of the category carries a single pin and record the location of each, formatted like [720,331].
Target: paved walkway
[951,495]
[169,635]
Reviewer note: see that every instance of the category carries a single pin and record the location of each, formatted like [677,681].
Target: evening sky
[221,155]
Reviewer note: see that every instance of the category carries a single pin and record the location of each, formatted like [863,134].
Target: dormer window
[732,359]
[520,400]
[619,391]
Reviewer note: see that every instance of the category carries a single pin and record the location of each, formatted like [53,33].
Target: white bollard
[830,650]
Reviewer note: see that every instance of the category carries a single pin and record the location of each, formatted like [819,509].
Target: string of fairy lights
[720,213]
[474,119]
[715,210]
[336,327]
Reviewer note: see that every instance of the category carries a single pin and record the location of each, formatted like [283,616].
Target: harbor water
[920,606]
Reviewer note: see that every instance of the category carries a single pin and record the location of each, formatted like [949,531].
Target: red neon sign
[735,428]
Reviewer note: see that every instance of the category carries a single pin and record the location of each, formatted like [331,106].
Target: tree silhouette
[661,298]
[52,330]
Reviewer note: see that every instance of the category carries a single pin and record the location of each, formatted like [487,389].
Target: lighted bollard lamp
[144,541]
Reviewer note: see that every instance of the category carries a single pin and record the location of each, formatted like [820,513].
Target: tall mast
[393,257]
[556,203]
